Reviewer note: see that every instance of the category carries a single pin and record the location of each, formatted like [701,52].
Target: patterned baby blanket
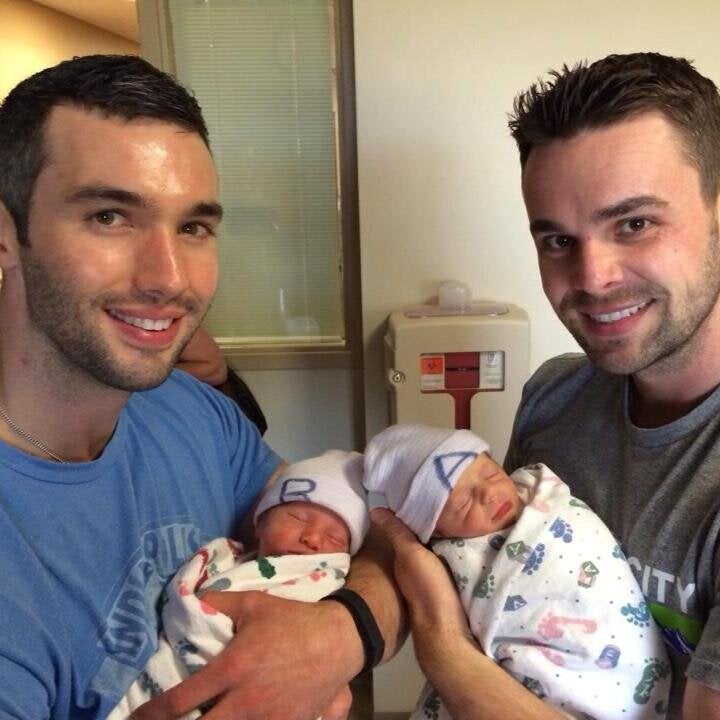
[194,632]
[553,600]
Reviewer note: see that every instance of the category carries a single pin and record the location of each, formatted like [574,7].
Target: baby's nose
[488,492]
[311,538]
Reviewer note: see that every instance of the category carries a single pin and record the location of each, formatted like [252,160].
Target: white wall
[439,177]
[438,173]
[308,411]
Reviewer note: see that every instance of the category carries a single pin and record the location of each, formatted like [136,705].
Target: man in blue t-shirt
[115,469]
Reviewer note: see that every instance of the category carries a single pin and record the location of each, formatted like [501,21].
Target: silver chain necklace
[27,436]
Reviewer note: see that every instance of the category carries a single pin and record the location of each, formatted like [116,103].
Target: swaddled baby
[546,589]
[308,524]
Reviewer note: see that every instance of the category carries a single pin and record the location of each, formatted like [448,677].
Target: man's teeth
[618,314]
[143,323]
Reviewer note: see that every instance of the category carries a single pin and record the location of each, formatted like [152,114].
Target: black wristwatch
[372,640]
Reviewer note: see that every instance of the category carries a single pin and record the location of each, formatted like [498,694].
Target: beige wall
[33,37]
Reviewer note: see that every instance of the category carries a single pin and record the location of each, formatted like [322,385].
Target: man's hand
[700,701]
[423,579]
[285,662]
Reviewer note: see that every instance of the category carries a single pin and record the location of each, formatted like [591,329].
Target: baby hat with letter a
[333,480]
[415,467]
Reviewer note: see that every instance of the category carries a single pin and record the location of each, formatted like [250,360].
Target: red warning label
[432,372]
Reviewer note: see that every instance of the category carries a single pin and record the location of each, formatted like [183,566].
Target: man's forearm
[471,685]
[371,575]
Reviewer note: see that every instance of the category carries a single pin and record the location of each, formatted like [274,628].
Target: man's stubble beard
[672,338]
[56,311]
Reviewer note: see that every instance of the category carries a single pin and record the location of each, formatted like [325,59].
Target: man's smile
[615,315]
[142,322]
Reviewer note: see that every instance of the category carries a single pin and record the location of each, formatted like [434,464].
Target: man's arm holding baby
[314,648]
[383,599]
[472,686]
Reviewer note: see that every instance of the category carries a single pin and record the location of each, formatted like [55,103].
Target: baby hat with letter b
[333,480]
[415,467]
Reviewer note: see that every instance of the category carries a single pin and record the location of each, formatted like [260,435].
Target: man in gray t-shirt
[621,177]
[621,180]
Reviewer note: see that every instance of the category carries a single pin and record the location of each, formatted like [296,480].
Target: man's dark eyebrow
[628,205]
[618,209]
[541,225]
[126,197]
[102,192]
[207,209]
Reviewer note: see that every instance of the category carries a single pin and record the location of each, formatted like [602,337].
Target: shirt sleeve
[557,378]
[704,663]
[252,460]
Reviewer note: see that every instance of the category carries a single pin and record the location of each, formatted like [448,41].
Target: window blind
[264,74]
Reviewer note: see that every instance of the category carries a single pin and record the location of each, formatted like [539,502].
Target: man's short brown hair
[590,96]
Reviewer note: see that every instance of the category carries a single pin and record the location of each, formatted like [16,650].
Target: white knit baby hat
[415,467]
[333,480]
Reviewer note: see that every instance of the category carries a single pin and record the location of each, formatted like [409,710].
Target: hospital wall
[33,37]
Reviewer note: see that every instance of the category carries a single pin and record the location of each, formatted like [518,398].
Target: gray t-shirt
[657,489]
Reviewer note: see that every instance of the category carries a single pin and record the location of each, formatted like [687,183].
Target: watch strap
[372,640]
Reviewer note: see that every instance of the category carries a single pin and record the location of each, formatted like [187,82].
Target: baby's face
[483,501]
[301,528]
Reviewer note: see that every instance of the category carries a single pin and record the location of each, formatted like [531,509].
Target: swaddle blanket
[194,632]
[554,602]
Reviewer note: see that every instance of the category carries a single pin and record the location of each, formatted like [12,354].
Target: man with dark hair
[621,180]
[115,468]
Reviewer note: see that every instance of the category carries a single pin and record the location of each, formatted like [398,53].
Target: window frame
[156,47]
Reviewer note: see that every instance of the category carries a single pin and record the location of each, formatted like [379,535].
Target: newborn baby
[308,524]
[547,591]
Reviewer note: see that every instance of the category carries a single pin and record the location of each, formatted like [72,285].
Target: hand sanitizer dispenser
[458,364]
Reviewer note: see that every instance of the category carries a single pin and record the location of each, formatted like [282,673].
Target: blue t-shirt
[87,548]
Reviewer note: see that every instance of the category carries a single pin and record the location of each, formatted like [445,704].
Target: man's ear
[9,246]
